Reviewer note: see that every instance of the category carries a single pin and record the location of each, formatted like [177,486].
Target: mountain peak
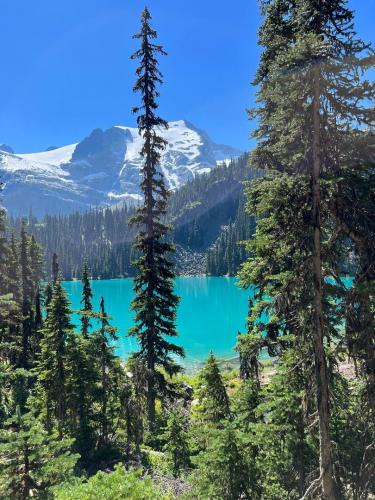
[104,168]
[6,148]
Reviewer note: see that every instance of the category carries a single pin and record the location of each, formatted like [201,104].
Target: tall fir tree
[155,302]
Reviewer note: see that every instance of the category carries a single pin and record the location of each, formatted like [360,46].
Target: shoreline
[75,280]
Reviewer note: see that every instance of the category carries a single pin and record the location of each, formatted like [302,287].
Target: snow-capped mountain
[102,169]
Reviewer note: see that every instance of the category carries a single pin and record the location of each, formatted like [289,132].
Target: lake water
[211,313]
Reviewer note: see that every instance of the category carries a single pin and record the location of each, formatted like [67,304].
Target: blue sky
[65,66]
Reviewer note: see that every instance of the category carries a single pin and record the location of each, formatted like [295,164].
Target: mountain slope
[207,214]
[103,169]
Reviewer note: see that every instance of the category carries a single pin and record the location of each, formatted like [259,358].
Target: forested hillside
[207,215]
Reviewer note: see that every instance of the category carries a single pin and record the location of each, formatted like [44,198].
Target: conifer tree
[36,262]
[13,271]
[177,444]
[47,294]
[155,302]
[5,285]
[55,268]
[27,297]
[25,356]
[133,399]
[103,339]
[4,250]
[282,434]
[51,366]
[213,396]
[9,342]
[246,403]
[313,104]
[223,471]
[31,460]
[54,277]
[81,381]
[86,300]
[38,311]
[352,208]
[37,273]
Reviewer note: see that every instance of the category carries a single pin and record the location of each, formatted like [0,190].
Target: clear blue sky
[65,66]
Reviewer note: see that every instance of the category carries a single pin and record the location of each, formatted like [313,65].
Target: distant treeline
[207,215]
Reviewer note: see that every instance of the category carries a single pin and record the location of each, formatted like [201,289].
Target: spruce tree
[155,302]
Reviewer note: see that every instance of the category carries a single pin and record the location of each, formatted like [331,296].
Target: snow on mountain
[55,156]
[102,169]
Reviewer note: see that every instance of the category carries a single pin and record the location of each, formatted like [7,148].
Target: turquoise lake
[211,313]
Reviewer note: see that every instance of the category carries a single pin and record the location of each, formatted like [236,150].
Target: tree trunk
[321,372]
[149,200]
[151,395]
[104,407]
[60,391]
[301,466]
[26,479]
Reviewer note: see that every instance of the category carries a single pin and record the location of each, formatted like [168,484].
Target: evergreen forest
[294,416]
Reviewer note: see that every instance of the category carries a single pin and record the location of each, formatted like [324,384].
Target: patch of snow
[54,157]
[14,163]
[117,196]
